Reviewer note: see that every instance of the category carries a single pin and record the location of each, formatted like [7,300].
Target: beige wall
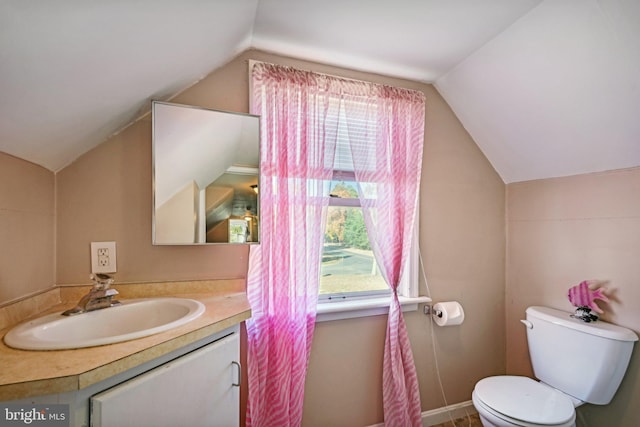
[106,195]
[27,233]
[565,230]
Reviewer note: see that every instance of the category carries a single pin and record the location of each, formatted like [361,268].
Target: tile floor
[471,421]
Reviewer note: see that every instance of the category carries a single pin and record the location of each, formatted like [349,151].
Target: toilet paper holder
[428,310]
[448,313]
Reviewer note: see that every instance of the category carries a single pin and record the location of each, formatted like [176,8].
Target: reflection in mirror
[205,175]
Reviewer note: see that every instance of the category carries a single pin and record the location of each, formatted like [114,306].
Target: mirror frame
[233,170]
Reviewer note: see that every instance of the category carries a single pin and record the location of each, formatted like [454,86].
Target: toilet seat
[523,401]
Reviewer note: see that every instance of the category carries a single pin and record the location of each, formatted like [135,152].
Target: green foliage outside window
[345,225]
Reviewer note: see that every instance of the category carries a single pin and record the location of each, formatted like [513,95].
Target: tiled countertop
[27,373]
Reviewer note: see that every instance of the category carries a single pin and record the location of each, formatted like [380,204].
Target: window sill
[364,307]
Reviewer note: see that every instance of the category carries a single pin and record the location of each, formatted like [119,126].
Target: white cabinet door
[194,390]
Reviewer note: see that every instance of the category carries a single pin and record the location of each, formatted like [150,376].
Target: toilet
[575,362]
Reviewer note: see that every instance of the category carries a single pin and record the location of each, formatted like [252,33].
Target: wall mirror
[205,175]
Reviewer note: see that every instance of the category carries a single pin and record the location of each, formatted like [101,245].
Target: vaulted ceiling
[545,87]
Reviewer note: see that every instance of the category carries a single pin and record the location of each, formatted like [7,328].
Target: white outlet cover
[103,257]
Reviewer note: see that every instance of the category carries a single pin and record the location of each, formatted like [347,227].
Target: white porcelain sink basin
[130,320]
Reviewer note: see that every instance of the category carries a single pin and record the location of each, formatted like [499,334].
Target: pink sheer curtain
[297,149]
[387,159]
[298,140]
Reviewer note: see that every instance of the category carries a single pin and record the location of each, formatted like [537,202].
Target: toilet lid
[525,399]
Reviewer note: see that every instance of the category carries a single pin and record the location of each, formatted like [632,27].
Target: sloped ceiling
[546,88]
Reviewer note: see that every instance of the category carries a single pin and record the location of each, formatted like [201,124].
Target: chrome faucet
[100,296]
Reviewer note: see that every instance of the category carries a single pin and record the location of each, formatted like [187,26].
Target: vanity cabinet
[198,389]
[195,385]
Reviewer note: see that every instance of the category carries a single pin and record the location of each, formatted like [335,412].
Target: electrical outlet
[103,257]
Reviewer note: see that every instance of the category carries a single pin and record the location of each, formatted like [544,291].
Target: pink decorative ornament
[583,296]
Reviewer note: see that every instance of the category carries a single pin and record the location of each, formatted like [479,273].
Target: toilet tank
[584,360]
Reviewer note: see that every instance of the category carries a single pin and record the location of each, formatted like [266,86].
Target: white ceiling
[545,87]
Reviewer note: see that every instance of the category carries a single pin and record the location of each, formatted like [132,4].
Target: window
[349,270]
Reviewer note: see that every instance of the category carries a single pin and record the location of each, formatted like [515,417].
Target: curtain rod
[252,62]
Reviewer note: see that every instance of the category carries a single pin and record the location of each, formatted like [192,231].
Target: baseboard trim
[444,414]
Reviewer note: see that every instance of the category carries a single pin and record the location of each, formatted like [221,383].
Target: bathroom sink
[132,319]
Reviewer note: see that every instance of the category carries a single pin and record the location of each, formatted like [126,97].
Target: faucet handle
[101,281]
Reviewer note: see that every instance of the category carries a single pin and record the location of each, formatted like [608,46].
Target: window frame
[369,303]
[348,176]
